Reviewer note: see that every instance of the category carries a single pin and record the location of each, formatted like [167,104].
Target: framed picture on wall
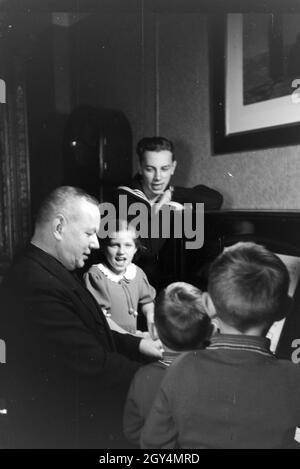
[255,65]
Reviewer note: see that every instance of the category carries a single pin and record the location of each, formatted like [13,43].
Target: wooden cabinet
[97,150]
[279,231]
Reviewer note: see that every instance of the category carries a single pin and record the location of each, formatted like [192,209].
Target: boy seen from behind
[236,393]
[182,324]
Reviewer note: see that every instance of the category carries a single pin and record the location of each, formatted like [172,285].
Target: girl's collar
[129,273]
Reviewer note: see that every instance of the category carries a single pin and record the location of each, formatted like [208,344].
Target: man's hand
[152,348]
[165,198]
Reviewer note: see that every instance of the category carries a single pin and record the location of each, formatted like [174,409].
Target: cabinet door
[97,150]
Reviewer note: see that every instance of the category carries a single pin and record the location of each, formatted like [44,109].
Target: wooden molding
[15,226]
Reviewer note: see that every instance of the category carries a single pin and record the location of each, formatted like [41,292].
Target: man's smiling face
[156,169]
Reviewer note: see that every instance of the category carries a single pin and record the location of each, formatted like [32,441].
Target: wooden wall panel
[15,226]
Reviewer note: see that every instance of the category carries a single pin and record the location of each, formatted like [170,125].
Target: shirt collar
[169,357]
[129,274]
[241,342]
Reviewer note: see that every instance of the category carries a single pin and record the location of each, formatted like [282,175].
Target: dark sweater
[235,394]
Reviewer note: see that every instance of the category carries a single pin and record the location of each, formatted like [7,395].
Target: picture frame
[237,126]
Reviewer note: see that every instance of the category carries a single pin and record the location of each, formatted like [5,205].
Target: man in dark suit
[67,374]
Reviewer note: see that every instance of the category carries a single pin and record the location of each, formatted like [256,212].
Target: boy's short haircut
[248,285]
[60,199]
[154,144]
[180,317]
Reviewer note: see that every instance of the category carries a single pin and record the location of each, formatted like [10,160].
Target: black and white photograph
[149,227]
